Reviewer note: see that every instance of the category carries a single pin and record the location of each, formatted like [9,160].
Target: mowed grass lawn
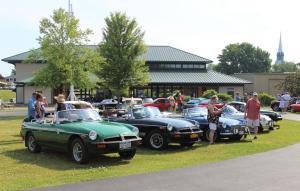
[6,95]
[20,169]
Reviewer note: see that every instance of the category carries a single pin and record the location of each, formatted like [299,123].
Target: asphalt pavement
[269,171]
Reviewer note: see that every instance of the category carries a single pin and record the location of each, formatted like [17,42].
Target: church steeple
[280,54]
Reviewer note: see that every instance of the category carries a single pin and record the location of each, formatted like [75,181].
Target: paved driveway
[291,116]
[270,171]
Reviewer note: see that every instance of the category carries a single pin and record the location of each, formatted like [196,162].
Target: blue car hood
[227,121]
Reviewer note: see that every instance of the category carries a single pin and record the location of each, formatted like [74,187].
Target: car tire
[127,155]
[156,140]
[32,144]
[207,135]
[79,152]
[187,144]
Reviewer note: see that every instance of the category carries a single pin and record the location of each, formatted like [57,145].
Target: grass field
[6,95]
[23,170]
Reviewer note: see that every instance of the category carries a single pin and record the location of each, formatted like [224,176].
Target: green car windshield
[78,115]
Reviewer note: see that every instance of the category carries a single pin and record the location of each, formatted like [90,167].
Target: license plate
[241,132]
[193,136]
[125,145]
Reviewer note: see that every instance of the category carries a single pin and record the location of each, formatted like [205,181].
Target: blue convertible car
[227,128]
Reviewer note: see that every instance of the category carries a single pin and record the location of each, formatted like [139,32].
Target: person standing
[281,103]
[179,100]
[172,103]
[237,96]
[252,114]
[286,98]
[31,107]
[213,117]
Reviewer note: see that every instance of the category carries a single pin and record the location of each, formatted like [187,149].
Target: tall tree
[285,67]
[122,47]
[61,47]
[242,58]
[292,83]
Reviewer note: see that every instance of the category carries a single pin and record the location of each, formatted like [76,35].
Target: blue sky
[198,26]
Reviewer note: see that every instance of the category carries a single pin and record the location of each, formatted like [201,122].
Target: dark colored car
[275,104]
[227,128]
[240,106]
[163,104]
[158,131]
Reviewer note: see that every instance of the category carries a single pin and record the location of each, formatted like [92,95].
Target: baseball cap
[255,94]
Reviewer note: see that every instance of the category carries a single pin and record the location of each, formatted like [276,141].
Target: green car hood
[103,129]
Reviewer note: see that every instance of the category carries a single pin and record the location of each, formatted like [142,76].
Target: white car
[230,112]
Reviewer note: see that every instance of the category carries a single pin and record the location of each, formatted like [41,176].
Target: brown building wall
[264,82]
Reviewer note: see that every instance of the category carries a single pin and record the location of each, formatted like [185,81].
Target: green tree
[285,67]
[122,47]
[292,83]
[208,93]
[13,72]
[242,58]
[62,48]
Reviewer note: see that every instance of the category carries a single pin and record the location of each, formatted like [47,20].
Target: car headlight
[93,135]
[135,130]
[169,127]
[224,125]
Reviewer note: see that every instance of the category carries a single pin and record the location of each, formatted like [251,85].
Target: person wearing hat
[252,114]
[60,103]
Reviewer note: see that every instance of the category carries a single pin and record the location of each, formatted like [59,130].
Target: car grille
[129,137]
[188,130]
[112,139]
[125,137]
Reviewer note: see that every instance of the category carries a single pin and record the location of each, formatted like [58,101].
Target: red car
[204,103]
[162,104]
[295,107]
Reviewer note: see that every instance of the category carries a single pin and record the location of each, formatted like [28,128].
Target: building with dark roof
[170,69]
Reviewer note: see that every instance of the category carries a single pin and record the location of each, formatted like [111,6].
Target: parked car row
[82,132]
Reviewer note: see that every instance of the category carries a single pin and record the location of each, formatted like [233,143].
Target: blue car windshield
[78,115]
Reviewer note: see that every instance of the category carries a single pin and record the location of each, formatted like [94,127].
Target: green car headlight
[169,127]
[135,130]
[93,135]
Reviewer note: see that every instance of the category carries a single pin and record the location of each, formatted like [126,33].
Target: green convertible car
[81,132]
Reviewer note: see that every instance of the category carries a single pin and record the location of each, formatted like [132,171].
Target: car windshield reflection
[195,112]
[78,115]
[145,112]
[230,109]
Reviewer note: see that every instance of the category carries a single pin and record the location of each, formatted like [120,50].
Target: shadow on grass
[62,161]
[10,142]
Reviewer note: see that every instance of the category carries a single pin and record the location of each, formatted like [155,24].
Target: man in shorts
[252,114]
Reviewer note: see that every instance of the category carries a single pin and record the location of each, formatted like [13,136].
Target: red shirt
[253,108]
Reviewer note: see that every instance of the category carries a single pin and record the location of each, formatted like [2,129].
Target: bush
[208,93]
[187,98]
[265,99]
[225,97]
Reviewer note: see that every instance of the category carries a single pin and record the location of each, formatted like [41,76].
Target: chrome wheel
[77,152]
[157,140]
[31,143]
